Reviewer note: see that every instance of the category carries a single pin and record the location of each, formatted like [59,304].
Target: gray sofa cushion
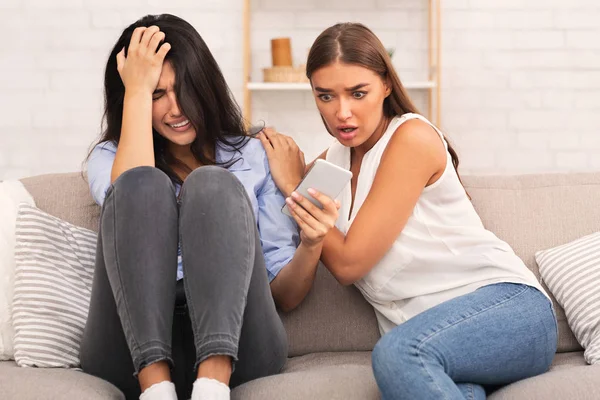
[331,318]
[569,378]
[65,196]
[52,384]
[349,376]
[332,376]
[536,212]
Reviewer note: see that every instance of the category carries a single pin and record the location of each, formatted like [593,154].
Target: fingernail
[289,201]
[312,191]
[295,195]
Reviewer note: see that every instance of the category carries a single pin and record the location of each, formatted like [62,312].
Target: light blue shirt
[278,233]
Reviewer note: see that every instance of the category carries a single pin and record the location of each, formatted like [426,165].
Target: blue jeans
[493,336]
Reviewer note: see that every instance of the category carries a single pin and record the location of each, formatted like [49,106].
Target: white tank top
[443,251]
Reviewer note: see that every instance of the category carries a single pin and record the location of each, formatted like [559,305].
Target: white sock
[164,390]
[210,389]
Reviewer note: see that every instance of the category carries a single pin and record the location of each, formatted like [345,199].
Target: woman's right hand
[141,69]
[314,223]
[286,160]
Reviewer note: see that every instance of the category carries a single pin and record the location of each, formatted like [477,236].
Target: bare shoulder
[418,140]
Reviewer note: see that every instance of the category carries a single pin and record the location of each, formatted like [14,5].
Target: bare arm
[135,146]
[415,156]
[140,73]
[294,281]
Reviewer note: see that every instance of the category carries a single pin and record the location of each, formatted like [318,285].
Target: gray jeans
[226,307]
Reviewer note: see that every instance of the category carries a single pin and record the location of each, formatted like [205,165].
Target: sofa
[334,330]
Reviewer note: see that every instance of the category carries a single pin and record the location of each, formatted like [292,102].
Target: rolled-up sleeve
[99,169]
[278,232]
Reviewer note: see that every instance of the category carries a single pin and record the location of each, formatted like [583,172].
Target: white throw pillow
[53,282]
[11,194]
[572,273]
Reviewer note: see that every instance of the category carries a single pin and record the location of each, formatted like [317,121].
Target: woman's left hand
[314,223]
[286,161]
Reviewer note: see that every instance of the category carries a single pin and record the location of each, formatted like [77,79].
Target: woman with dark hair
[458,310]
[193,247]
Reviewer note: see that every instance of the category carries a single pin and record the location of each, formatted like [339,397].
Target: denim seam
[124,298]
[217,352]
[222,349]
[160,358]
[217,338]
[149,352]
[250,251]
[548,330]
[221,336]
[471,392]
[494,305]
[143,348]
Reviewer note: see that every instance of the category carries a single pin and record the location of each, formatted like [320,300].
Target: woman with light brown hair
[458,310]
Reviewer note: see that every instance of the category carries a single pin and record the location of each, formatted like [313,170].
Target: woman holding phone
[458,310]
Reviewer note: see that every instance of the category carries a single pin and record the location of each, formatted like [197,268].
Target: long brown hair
[354,43]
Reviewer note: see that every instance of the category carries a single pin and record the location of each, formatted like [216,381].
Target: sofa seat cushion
[316,376]
[52,383]
[569,378]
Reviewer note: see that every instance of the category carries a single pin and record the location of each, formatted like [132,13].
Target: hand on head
[141,69]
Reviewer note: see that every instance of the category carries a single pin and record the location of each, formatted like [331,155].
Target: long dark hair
[354,43]
[202,93]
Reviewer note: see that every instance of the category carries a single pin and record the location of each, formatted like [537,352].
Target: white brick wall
[521,79]
[532,67]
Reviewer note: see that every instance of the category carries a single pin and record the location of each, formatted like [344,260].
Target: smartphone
[324,177]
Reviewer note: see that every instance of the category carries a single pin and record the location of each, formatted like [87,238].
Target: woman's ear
[387,84]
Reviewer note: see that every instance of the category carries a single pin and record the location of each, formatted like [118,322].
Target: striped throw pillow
[572,273]
[53,279]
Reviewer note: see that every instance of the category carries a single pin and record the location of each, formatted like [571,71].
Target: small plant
[390,51]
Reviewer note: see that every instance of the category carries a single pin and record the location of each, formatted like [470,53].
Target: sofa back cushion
[530,212]
[66,196]
[331,318]
[537,212]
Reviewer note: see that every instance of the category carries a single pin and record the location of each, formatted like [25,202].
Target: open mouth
[347,132]
[180,126]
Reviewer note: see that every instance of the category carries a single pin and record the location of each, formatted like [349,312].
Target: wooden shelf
[432,84]
[269,86]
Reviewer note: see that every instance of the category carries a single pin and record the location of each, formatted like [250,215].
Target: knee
[211,183]
[390,352]
[143,181]
[380,358]
[211,177]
